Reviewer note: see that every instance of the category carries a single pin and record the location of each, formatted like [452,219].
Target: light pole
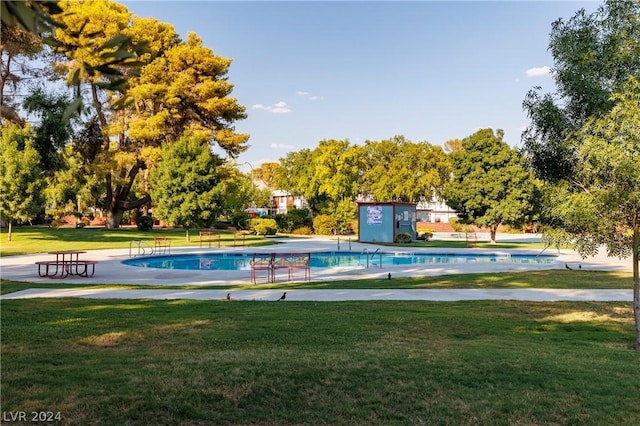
[253,185]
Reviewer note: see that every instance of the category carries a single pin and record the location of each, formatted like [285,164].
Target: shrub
[56,223]
[303,230]
[293,219]
[145,223]
[239,219]
[263,226]
[402,237]
[324,224]
[459,227]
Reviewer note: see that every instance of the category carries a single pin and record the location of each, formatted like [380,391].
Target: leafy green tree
[490,185]
[184,184]
[603,208]
[593,56]
[235,190]
[17,48]
[267,172]
[326,177]
[51,132]
[297,176]
[181,91]
[21,179]
[74,187]
[397,169]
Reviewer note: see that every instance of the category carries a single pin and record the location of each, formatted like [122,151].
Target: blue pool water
[334,259]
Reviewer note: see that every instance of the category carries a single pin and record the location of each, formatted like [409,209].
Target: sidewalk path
[537,295]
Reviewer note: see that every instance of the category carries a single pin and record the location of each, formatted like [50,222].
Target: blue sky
[368,70]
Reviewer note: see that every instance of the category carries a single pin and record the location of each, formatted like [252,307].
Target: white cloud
[277,108]
[538,71]
[281,146]
[309,96]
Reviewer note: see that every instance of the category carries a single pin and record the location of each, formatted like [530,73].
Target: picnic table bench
[208,237]
[67,262]
[288,262]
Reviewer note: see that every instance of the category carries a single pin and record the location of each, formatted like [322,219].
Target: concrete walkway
[111,270]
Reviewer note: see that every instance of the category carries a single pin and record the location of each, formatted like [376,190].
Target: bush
[263,226]
[458,226]
[293,219]
[402,237]
[145,223]
[303,230]
[56,223]
[424,236]
[240,219]
[324,224]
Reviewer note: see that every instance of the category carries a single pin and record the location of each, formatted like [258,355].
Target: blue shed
[381,222]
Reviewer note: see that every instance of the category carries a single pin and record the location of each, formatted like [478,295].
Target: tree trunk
[117,207]
[9,228]
[493,229]
[114,218]
[636,281]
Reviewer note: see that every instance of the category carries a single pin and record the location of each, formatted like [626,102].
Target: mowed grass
[188,362]
[42,239]
[143,362]
[551,279]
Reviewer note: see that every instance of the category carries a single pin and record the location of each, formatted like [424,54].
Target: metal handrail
[142,247]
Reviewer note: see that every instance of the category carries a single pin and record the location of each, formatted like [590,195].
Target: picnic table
[67,262]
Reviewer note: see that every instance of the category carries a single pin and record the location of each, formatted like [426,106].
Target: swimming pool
[332,259]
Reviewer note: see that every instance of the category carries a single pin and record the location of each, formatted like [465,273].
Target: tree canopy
[601,205]
[184,184]
[593,56]
[490,184]
[21,181]
[173,89]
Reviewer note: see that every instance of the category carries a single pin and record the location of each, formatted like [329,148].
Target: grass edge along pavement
[215,362]
[544,279]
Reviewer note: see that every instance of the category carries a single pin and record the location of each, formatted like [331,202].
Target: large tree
[593,56]
[490,184]
[181,91]
[268,173]
[583,139]
[297,177]
[17,48]
[52,133]
[184,184]
[602,207]
[21,181]
[397,169]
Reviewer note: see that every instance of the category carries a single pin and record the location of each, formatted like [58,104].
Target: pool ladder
[142,248]
[370,257]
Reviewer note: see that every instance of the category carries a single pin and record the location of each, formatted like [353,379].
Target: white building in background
[283,201]
[434,211]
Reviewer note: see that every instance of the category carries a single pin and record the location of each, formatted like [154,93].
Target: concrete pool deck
[110,270]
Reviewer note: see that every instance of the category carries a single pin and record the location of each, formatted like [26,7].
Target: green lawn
[207,362]
[143,362]
[557,279]
[39,239]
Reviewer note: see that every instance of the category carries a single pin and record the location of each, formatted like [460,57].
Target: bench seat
[60,269]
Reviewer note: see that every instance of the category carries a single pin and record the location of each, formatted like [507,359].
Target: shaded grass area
[40,239]
[203,362]
[557,279]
